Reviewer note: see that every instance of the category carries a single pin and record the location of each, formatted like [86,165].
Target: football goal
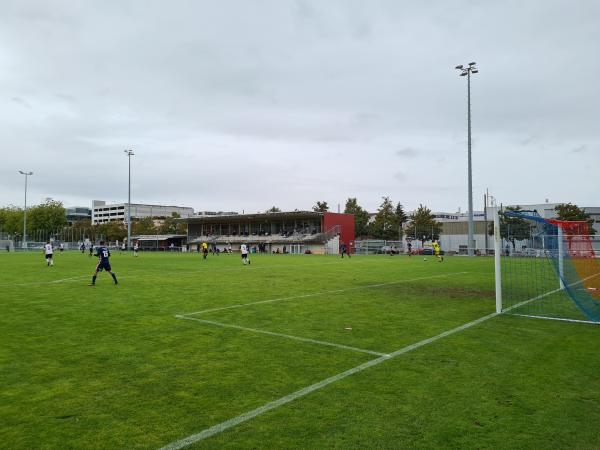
[545,268]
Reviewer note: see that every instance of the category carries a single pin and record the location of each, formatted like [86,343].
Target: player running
[204,250]
[136,247]
[244,250]
[436,251]
[48,251]
[103,254]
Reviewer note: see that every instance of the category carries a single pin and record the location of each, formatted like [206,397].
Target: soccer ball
[424,259]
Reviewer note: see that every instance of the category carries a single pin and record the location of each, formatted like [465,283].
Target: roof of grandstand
[270,215]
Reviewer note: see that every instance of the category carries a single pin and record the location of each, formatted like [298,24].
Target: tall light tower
[129,153]
[467,71]
[24,243]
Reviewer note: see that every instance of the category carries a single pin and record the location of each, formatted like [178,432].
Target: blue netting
[565,291]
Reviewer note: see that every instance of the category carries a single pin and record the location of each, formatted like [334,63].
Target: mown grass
[112,367]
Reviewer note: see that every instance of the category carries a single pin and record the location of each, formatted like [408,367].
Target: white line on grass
[62,280]
[208,432]
[313,294]
[287,336]
[556,318]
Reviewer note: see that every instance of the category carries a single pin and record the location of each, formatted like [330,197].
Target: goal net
[548,268]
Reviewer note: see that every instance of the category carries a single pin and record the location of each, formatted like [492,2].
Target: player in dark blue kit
[103,263]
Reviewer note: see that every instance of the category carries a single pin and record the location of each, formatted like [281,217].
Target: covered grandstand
[289,232]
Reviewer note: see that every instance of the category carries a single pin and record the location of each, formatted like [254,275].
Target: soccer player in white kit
[48,251]
[244,250]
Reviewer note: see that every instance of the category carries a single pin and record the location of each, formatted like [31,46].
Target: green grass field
[183,345]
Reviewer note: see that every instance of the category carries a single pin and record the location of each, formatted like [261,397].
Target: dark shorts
[244,255]
[48,256]
[103,265]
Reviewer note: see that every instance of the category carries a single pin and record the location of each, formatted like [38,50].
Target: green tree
[401,217]
[169,226]
[48,217]
[385,224]
[568,211]
[512,229]
[82,229]
[11,220]
[111,231]
[321,207]
[144,226]
[361,217]
[273,209]
[423,226]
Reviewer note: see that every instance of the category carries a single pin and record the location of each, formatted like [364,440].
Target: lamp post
[467,71]
[24,243]
[129,153]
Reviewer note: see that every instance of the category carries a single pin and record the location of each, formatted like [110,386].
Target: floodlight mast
[24,243]
[129,153]
[467,71]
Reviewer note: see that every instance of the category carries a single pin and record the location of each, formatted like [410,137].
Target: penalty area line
[287,336]
[215,429]
[33,283]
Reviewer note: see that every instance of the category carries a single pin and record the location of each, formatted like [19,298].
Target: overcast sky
[244,105]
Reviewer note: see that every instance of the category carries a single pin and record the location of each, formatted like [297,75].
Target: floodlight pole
[466,71]
[129,153]
[24,243]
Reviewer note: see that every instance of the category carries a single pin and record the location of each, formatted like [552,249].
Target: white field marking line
[314,294]
[287,336]
[215,429]
[32,283]
[555,318]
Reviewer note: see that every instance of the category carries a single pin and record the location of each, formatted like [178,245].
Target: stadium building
[77,213]
[102,213]
[289,232]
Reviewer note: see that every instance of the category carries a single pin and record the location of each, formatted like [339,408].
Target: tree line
[49,220]
[390,222]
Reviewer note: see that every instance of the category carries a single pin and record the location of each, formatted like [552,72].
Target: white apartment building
[102,212]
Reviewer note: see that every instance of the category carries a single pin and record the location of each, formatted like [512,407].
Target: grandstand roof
[257,216]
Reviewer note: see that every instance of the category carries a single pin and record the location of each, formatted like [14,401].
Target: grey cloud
[400,176]
[21,102]
[407,152]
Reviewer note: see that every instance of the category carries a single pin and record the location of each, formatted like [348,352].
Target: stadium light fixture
[467,71]
[129,153]
[24,243]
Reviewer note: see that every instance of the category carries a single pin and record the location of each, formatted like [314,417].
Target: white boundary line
[62,280]
[215,429]
[335,291]
[556,318]
[287,336]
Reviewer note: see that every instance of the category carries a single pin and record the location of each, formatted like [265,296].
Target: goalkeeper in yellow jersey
[437,251]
